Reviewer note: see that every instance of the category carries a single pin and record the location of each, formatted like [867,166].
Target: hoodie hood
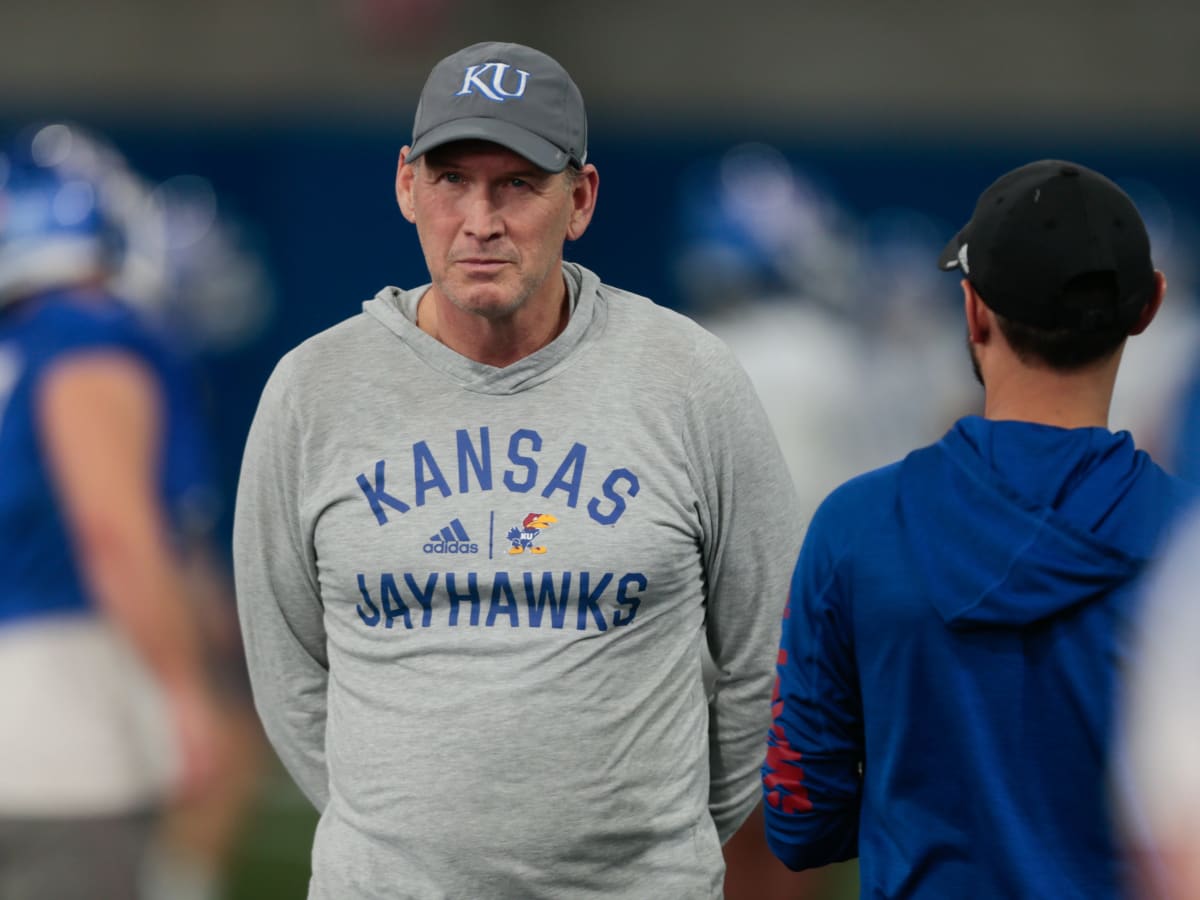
[1013,522]
[396,310]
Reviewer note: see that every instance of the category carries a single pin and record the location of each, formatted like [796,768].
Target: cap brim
[534,148]
[949,258]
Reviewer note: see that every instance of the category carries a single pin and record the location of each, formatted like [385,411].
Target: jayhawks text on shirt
[570,600]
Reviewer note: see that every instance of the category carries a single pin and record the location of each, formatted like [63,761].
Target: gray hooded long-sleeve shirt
[476,602]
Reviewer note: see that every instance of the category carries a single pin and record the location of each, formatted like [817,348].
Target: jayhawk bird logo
[531,527]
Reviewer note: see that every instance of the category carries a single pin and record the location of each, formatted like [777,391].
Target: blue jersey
[38,572]
[948,665]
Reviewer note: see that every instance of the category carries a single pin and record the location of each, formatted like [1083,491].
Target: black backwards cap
[1038,227]
[509,94]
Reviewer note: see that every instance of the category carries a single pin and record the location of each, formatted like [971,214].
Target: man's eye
[452,177]
[518,182]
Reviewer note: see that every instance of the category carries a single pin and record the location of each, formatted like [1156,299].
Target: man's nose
[482,219]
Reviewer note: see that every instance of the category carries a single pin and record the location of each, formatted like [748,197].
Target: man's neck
[495,342]
[1046,397]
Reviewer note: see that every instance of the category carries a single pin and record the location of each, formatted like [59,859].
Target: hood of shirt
[1013,522]
[396,310]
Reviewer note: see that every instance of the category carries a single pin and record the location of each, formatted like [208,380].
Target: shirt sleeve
[811,778]
[752,527]
[278,598]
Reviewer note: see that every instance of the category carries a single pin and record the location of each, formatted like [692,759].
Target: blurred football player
[107,708]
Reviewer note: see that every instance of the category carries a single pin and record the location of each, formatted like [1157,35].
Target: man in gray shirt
[489,530]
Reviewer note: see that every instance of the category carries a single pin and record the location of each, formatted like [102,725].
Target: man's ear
[584,190]
[979,321]
[1153,305]
[405,174]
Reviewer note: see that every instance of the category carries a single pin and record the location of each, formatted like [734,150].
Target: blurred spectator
[185,268]
[1156,397]
[107,706]
[835,317]
[831,317]
[1160,784]
[1181,432]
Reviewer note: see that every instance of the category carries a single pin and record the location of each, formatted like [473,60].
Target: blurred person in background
[1156,398]
[840,326]
[189,272]
[1158,781]
[1182,432]
[956,620]
[487,529]
[107,707]
[845,336]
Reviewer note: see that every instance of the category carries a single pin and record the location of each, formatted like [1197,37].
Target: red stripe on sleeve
[784,776]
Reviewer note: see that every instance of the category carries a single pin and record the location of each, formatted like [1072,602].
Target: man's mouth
[482,265]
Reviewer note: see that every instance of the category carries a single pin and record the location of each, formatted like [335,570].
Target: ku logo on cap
[477,80]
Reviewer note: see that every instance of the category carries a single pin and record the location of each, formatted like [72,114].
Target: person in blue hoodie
[957,620]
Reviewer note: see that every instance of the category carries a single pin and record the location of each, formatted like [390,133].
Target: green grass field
[273,858]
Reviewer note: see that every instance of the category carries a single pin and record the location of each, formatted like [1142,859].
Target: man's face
[492,224]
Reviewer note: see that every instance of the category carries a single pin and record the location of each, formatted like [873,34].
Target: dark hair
[1067,349]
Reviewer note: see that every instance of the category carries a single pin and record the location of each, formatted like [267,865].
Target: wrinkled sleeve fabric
[278,598]
[751,532]
[811,777]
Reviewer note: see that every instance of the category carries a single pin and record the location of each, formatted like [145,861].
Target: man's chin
[490,301]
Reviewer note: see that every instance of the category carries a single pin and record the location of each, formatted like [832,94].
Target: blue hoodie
[954,632]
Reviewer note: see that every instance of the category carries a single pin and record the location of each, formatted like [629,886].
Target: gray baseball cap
[509,94]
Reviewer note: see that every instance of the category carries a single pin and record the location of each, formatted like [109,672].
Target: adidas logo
[451,539]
